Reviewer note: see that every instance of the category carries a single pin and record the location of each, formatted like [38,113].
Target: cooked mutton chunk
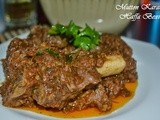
[47,70]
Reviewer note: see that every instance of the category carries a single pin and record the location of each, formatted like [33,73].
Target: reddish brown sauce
[91,112]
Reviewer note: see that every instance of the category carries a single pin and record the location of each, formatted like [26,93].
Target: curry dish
[47,71]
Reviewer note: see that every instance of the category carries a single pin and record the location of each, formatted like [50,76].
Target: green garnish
[39,53]
[85,38]
[54,54]
[68,58]
[57,29]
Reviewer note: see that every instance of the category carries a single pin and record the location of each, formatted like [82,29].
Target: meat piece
[91,98]
[18,92]
[115,86]
[51,84]
[61,84]
[47,70]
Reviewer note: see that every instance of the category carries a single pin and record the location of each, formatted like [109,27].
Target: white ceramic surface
[145,104]
[101,14]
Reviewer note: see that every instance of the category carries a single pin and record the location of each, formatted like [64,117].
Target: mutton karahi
[51,71]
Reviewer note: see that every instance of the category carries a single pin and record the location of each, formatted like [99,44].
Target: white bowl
[100,14]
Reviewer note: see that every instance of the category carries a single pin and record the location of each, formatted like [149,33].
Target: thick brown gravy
[91,112]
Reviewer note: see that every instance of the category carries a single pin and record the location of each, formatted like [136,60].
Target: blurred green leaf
[85,38]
